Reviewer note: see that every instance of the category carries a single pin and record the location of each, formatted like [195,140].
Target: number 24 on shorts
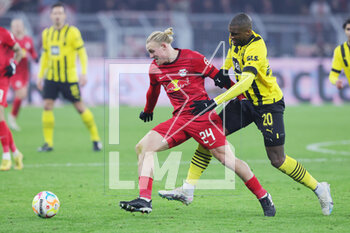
[206,134]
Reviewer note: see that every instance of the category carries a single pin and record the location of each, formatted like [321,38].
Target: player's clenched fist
[146,116]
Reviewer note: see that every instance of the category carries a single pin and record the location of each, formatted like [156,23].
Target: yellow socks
[199,163]
[89,121]
[296,171]
[48,121]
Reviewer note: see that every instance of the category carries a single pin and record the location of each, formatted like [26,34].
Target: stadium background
[300,42]
[300,36]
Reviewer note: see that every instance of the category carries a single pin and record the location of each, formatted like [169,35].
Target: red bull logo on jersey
[177,84]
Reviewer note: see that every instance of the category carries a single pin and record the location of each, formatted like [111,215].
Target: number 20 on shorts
[267,119]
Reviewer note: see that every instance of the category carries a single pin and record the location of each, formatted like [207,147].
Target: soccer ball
[45,204]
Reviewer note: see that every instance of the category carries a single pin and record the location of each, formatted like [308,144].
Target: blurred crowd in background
[299,7]
[117,28]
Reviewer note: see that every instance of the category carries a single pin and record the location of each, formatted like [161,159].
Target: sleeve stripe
[250,69]
[343,55]
[80,47]
[336,71]
[211,71]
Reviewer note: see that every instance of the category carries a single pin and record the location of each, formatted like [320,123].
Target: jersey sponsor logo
[177,84]
[55,50]
[252,58]
[183,72]
[24,52]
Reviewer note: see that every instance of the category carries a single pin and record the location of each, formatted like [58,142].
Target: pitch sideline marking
[319,147]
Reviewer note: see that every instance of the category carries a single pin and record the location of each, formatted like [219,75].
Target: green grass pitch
[79,177]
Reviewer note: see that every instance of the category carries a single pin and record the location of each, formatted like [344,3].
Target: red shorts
[4,86]
[18,81]
[206,130]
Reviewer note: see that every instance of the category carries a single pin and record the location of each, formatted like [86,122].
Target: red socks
[11,141]
[255,187]
[15,107]
[145,186]
[4,137]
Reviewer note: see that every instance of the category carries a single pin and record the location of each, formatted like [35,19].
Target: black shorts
[268,118]
[70,91]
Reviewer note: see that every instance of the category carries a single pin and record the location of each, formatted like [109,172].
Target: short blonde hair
[161,37]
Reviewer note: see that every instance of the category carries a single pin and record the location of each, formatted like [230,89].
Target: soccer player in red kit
[8,62]
[181,72]
[19,81]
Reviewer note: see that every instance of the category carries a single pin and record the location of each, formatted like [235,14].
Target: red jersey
[7,41]
[27,46]
[182,80]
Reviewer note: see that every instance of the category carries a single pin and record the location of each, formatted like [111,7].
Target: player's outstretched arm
[203,106]
[240,87]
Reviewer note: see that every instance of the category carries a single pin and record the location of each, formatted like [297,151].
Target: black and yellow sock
[295,170]
[89,122]
[199,163]
[48,121]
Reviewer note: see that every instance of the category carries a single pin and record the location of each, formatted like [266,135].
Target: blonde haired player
[181,72]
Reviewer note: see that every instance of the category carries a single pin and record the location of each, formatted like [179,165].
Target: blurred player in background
[341,59]
[19,81]
[10,56]
[181,72]
[264,106]
[61,43]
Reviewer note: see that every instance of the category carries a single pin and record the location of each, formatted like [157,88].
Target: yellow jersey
[252,57]
[341,61]
[60,50]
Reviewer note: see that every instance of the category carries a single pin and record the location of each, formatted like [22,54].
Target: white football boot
[177,194]
[323,193]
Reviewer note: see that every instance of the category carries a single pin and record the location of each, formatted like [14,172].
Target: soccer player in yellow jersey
[341,59]
[61,44]
[264,106]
